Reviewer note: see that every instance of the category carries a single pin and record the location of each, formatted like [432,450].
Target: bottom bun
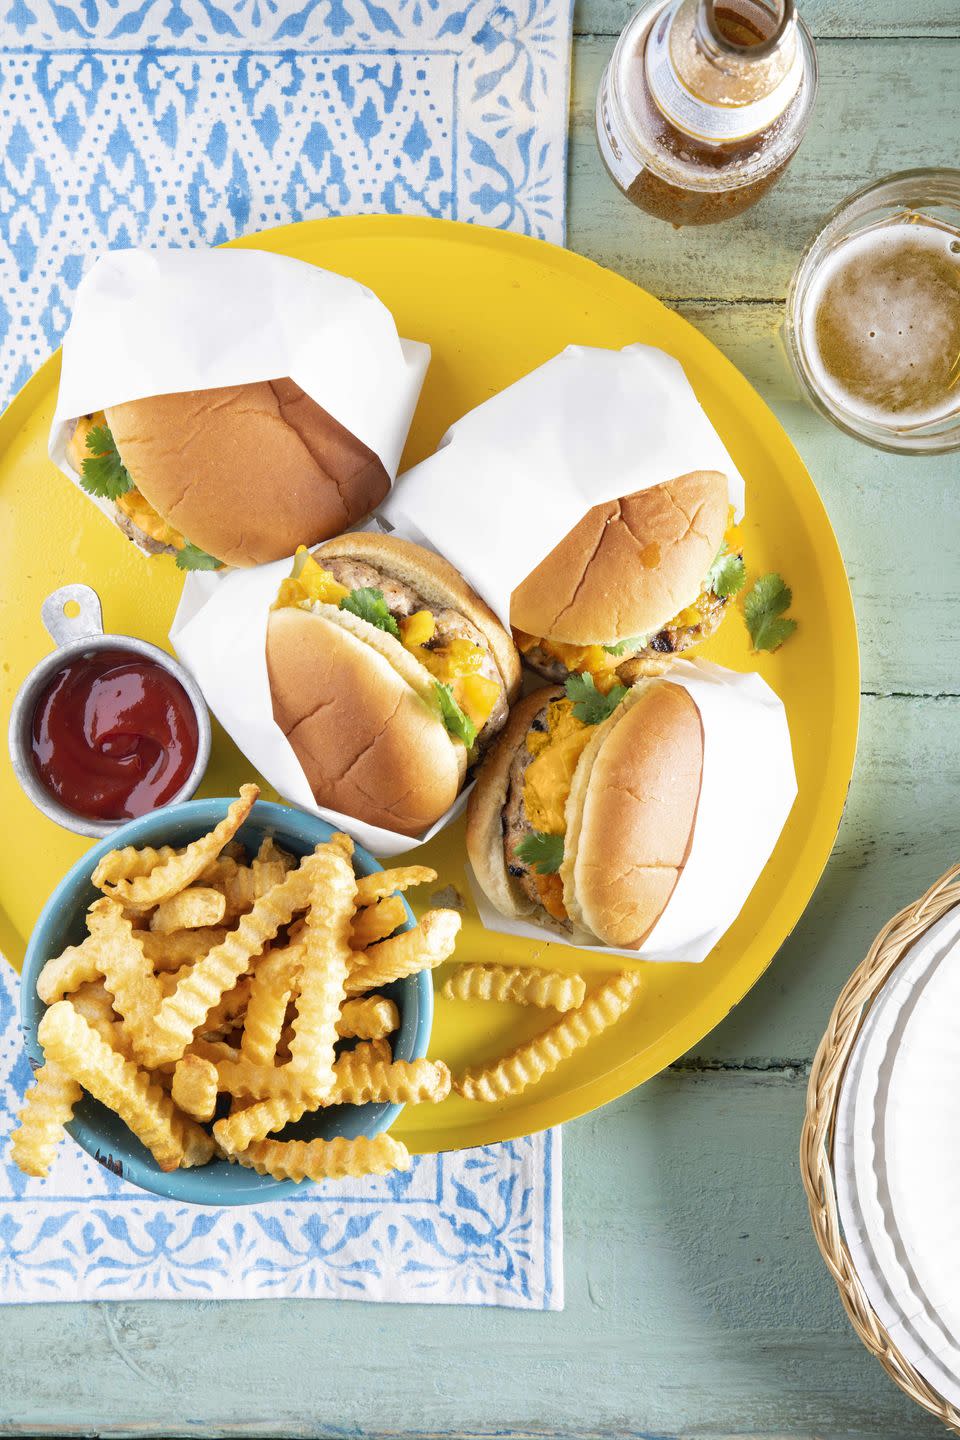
[369,745]
[631,814]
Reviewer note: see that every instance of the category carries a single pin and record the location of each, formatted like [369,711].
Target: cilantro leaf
[104,473]
[727,574]
[456,721]
[635,642]
[369,604]
[543,852]
[763,609]
[588,704]
[191,557]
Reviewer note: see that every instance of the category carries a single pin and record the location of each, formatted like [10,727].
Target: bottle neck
[724,70]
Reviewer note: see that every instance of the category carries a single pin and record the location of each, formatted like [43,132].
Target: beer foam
[881,324]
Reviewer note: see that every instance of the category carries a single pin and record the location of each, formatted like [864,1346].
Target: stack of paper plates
[897,1156]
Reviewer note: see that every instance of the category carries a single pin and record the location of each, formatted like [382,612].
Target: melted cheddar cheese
[456,663]
[548,777]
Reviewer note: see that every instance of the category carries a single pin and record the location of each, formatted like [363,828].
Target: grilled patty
[402,600]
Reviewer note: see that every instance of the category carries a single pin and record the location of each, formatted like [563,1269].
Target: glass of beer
[873,314]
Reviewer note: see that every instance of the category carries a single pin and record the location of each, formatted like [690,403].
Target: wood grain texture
[697,1305]
[826,18]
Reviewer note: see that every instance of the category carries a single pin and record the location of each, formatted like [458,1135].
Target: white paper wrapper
[220,634]
[513,477]
[151,322]
[748,788]
[896,1157]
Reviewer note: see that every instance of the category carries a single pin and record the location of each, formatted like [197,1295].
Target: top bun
[247,472]
[629,566]
[631,814]
[438,582]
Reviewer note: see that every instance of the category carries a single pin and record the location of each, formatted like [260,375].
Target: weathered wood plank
[696,1306]
[826,18]
[882,107]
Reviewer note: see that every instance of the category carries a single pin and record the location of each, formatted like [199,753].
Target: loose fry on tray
[325,963]
[185,1010]
[191,909]
[519,984]
[127,973]
[48,1106]
[326,1159]
[195,1087]
[537,1057]
[376,922]
[180,947]
[371,888]
[368,1018]
[427,945]
[70,1042]
[178,870]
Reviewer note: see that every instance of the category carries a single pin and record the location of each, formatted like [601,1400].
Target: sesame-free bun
[247,472]
[628,566]
[630,816]
[362,722]
[438,582]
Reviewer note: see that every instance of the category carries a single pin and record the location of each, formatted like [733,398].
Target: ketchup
[114,735]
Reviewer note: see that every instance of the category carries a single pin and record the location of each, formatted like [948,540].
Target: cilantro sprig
[456,720]
[368,604]
[191,557]
[622,647]
[103,473]
[589,705]
[727,575]
[763,611]
[543,852]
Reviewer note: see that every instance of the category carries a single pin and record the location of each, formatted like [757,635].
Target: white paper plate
[886,1155]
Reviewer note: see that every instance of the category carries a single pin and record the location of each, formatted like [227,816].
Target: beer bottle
[703,104]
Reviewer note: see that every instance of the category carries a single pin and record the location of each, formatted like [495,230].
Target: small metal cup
[76,635]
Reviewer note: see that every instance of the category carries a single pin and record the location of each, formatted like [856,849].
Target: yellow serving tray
[492,305]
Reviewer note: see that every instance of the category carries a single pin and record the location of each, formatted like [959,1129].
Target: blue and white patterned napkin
[475,1227]
[190,122]
[187,122]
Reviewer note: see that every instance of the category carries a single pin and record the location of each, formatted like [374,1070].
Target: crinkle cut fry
[376,922]
[194,1088]
[198,907]
[516,984]
[371,888]
[179,870]
[369,1018]
[398,1082]
[62,974]
[271,987]
[427,945]
[130,862]
[338,1159]
[127,973]
[48,1106]
[537,1057]
[143,1106]
[325,962]
[185,1010]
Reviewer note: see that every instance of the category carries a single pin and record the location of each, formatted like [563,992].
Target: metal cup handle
[63,627]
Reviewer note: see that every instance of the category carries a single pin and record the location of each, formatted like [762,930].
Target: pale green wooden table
[697,1304]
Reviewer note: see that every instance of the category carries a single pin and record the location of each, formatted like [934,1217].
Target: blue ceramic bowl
[101,1133]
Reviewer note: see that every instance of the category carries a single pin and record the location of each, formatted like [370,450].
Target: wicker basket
[816,1144]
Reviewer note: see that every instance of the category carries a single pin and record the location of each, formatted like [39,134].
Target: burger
[389,677]
[233,476]
[583,814]
[638,580]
